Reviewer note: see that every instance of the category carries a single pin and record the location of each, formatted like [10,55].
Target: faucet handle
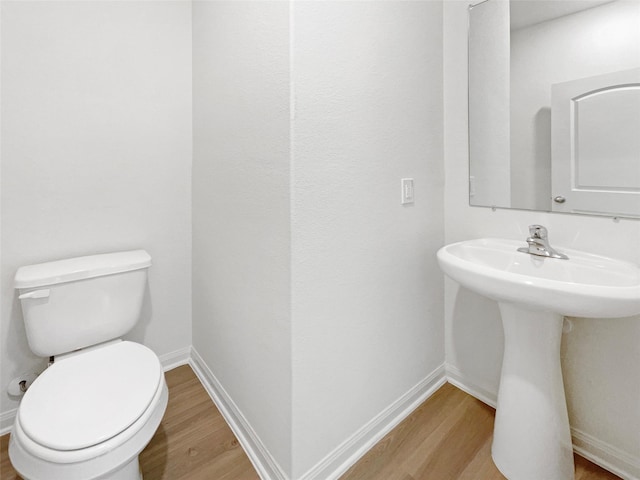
[538,231]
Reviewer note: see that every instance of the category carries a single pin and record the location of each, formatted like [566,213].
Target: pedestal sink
[532,439]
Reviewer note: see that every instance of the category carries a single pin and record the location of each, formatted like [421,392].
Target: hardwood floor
[193,442]
[448,437]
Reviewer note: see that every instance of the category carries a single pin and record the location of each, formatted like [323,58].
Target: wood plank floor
[447,437]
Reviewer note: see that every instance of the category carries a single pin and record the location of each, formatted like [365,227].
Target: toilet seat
[89,403]
[117,458]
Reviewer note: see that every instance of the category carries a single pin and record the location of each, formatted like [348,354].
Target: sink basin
[586,285]
[532,437]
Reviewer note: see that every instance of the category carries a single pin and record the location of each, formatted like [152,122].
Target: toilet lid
[88,398]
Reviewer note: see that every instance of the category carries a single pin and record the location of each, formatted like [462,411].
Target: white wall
[315,306]
[600,356]
[600,40]
[367,292]
[96,153]
[241,229]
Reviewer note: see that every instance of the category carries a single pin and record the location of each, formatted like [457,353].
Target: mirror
[554,105]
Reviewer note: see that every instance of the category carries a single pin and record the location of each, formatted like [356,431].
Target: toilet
[94,409]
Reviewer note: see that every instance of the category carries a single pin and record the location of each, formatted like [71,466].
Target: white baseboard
[342,457]
[607,456]
[457,378]
[175,359]
[353,448]
[264,463]
[6,421]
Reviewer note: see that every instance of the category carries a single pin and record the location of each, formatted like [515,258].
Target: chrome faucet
[538,241]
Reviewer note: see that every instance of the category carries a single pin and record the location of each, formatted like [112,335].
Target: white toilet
[90,414]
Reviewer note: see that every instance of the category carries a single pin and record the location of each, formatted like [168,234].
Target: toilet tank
[78,302]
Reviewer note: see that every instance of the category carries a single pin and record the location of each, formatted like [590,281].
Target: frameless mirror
[554,105]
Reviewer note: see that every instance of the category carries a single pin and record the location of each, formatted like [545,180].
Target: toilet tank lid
[80,268]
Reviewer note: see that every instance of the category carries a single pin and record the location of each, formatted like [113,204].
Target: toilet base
[131,471]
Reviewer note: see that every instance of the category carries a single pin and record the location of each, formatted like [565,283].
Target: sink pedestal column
[532,439]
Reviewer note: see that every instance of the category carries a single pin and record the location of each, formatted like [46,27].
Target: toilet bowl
[90,414]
